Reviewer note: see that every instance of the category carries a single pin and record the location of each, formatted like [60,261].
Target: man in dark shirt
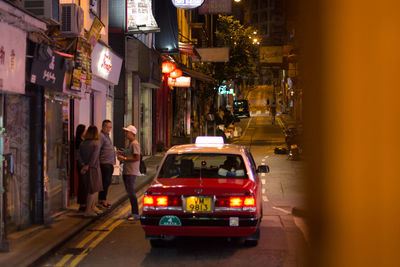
[107,161]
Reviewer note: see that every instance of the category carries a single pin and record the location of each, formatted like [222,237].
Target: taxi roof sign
[214,140]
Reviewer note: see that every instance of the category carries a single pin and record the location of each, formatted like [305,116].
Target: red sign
[182,81]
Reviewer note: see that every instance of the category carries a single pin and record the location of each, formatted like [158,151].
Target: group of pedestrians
[96,158]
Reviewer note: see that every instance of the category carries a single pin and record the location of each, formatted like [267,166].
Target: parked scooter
[293,139]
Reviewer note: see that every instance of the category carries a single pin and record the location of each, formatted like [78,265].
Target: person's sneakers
[90,214]
[133,217]
[106,205]
[82,208]
[97,210]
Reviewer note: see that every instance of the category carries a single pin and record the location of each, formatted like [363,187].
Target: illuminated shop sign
[183,81]
[227,88]
[140,18]
[223,90]
[106,64]
[187,4]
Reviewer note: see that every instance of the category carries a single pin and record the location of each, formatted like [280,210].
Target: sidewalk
[29,245]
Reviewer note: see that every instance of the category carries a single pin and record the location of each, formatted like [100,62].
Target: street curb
[140,188]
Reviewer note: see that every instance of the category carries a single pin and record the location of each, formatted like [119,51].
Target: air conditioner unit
[71,19]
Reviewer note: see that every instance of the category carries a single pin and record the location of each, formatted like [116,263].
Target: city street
[114,241]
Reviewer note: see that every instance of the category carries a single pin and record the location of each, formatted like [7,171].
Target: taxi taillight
[151,201]
[236,202]
[148,201]
[249,202]
[160,201]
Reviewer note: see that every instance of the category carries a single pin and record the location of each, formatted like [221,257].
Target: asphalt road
[114,241]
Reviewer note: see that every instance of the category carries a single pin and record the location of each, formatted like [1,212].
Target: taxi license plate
[198,204]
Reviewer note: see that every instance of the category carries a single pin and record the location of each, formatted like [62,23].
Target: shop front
[48,71]
[14,121]
[143,77]
[106,70]
[16,118]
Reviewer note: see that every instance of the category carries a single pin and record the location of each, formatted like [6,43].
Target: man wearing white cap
[131,161]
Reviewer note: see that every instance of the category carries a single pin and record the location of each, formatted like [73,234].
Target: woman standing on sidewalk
[89,151]
[82,194]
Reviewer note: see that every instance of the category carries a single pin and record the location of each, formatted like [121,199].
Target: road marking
[266,157]
[265,198]
[280,122]
[263,181]
[262,174]
[96,237]
[262,163]
[285,211]
[245,130]
[263,159]
[263,191]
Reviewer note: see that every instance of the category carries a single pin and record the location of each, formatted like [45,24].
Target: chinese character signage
[48,68]
[140,18]
[12,59]
[216,7]
[106,64]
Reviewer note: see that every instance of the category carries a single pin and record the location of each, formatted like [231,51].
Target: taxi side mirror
[263,169]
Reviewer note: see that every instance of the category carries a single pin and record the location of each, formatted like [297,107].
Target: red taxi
[204,189]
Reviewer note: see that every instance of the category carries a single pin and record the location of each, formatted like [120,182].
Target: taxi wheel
[156,243]
[252,240]
[251,243]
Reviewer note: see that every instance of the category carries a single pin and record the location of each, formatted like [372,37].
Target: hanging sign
[140,18]
[48,68]
[94,33]
[183,81]
[82,74]
[187,4]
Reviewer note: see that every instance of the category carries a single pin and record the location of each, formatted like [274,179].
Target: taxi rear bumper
[195,225]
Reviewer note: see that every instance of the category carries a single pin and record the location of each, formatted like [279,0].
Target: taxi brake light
[235,202]
[249,202]
[148,201]
[162,201]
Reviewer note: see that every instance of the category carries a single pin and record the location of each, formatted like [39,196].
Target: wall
[351,103]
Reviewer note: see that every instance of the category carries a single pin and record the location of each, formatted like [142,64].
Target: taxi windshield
[203,165]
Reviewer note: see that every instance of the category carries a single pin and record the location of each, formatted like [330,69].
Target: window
[203,165]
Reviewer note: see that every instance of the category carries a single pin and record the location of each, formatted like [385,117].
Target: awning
[197,75]
[188,49]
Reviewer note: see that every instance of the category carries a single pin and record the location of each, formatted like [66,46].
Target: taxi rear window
[204,165]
